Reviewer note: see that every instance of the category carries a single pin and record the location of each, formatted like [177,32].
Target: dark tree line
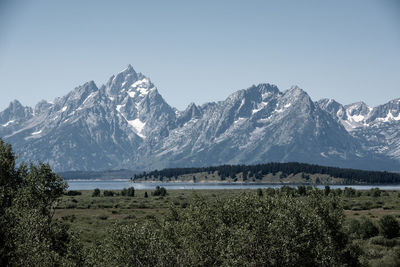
[259,170]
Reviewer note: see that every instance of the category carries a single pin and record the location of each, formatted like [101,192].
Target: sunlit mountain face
[126,123]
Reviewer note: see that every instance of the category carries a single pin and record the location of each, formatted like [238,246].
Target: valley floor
[92,217]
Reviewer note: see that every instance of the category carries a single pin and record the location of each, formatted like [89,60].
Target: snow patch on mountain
[8,123]
[138,125]
[390,117]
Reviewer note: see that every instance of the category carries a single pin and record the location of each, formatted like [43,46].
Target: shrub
[130,192]
[301,190]
[349,192]
[259,192]
[96,193]
[389,226]
[73,193]
[287,190]
[103,217]
[71,206]
[367,228]
[354,227]
[375,192]
[382,241]
[108,193]
[270,191]
[160,191]
[327,190]
[337,192]
[129,217]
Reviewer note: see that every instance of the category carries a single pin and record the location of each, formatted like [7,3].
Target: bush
[301,190]
[375,192]
[327,190]
[389,226]
[349,192]
[108,193]
[382,241]
[103,217]
[73,193]
[259,192]
[354,227]
[160,191]
[130,217]
[367,228]
[130,192]
[96,193]
[71,206]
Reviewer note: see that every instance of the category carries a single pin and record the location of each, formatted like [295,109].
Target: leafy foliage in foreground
[257,171]
[27,198]
[248,230]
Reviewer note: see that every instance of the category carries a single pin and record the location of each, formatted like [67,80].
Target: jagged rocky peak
[358,108]
[122,81]
[263,90]
[332,107]
[296,91]
[42,106]
[329,104]
[15,111]
[296,95]
[191,112]
[389,112]
[80,95]
[245,100]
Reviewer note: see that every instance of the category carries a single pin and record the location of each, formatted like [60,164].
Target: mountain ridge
[126,124]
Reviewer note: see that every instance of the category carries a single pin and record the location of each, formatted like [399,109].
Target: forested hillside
[278,170]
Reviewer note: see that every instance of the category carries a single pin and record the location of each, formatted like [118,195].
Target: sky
[201,51]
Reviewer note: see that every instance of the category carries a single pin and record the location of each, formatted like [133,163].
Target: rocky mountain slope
[126,123]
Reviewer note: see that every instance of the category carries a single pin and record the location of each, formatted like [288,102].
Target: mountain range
[126,124]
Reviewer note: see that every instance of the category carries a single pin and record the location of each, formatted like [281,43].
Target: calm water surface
[119,184]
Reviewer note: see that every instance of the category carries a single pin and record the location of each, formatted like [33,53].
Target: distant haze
[202,51]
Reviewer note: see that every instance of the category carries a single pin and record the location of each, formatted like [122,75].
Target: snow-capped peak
[127,124]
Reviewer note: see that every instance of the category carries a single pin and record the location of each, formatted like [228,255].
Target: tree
[28,195]
[301,190]
[389,226]
[259,192]
[327,190]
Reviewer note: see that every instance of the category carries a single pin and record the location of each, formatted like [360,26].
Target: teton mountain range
[126,123]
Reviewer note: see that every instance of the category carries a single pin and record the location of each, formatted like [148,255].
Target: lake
[119,184]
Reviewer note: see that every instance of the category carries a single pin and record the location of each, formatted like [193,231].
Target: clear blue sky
[199,51]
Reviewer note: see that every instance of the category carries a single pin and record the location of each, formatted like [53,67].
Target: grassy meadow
[92,217]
